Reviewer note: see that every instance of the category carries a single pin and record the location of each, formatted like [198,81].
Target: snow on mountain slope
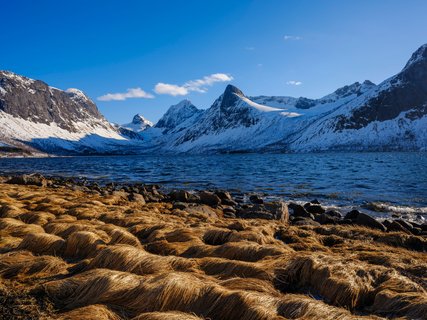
[138,124]
[360,116]
[36,116]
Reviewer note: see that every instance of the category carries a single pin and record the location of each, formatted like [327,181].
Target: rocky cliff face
[37,117]
[35,101]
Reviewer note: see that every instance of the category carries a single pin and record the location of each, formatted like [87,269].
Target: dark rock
[315,209]
[352,215]
[179,195]
[387,223]
[298,210]
[229,210]
[395,226]
[224,195]
[326,218]
[227,202]
[315,201]
[34,179]
[405,224]
[345,221]
[209,198]
[416,231]
[180,205]
[255,199]
[424,227]
[269,211]
[334,213]
[306,222]
[368,221]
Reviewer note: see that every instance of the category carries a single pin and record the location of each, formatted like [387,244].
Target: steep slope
[139,123]
[360,116]
[392,116]
[35,116]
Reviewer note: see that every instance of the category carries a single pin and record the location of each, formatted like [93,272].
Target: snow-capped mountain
[361,116]
[35,116]
[138,124]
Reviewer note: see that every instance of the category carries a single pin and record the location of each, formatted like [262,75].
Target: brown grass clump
[225,269]
[138,261]
[77,255]
[42,243]
[82,244]
[171,315]
[23,263]
[98,312]
[17,228]
[119,236]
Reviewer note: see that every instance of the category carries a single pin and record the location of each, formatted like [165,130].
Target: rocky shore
[73,249]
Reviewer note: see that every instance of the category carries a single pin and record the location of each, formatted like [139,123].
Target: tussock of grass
[104,257]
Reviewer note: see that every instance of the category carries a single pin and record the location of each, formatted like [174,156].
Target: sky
[143,56]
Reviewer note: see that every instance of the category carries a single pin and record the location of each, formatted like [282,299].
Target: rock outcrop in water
[78,250]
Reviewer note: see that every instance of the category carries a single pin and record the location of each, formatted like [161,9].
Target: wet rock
[352,215]
[368,221]
[314,208]
[270,211]
[405,224]
[34,179]
[255,199]
[229,202]
[227,210]
[209,198]
[298,210]
[315,201]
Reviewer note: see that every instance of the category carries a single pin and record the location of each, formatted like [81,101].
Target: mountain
[138,124]
[360,116]
[36,117]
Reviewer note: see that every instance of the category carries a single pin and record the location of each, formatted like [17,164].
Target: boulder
[395,226]
[270,211]
[34,179]
[209,198]
[314,208]
[180,195]
[180,205]
[223,195]
[326,218]
[368,221]
[306,222]
[298,210]
[352,215]
[255,199]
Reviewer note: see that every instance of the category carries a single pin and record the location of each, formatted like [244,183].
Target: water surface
[394,182]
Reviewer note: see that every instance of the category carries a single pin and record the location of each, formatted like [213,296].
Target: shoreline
[112,252]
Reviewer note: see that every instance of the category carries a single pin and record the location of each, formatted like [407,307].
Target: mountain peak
[232,89]
[230,96]
[139,119]
[418,56]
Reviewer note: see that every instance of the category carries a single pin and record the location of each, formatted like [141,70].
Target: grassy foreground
[79,254]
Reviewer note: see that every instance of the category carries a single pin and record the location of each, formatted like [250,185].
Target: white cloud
[294,83]
[199,85]
[130,93]
[170,89]
[289,37]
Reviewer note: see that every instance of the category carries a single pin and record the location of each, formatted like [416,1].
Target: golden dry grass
[104,257]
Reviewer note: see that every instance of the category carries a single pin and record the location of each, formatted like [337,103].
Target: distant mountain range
[359,117]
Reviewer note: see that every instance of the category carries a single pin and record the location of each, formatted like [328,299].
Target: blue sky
[296,48]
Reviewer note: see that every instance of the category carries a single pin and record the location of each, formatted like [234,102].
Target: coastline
[71,249]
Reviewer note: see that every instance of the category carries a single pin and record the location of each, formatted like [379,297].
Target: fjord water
[383,182]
